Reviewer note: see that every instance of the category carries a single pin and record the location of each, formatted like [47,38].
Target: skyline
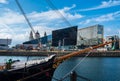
[49,15]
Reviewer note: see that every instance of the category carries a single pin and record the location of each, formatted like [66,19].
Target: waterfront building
[65,38]
[31,36]
[72,37]
[37,35]
[4,44]
[90,36]
[39,42]
[45,38]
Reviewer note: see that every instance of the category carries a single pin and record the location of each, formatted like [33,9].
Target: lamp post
[63,43]
[7,43]
[59,44]
[119,38]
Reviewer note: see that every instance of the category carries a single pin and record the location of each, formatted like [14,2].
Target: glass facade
[43,40]
[66,36]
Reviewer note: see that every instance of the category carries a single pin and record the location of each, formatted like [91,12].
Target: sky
[49,15]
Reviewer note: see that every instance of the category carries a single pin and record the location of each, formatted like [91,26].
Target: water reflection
[95,68]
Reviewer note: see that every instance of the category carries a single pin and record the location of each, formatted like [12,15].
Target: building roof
[43,40]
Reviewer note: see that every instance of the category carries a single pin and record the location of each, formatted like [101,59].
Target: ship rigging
[40,70]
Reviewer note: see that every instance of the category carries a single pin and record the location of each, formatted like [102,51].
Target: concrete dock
[59,53]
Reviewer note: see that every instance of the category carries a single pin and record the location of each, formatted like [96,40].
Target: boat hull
[39,72]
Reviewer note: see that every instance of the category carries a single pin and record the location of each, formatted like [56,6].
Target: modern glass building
[73,37]
[36,42]
[90,36]
[64,37]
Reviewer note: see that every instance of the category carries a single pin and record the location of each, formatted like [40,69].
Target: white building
[92,35]
[4,43]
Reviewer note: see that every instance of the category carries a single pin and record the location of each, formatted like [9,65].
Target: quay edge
[59,53]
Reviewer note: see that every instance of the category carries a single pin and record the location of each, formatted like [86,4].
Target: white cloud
[68,8]
[15,26]
[104,4]
[103,18]
[19,34]
[53,15]
[5,30]
[19,38]
[109,31]
[16,34]
[11,17]
[119,32]
[69,16]
[3,1]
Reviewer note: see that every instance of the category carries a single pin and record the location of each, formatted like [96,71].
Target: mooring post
[73,76]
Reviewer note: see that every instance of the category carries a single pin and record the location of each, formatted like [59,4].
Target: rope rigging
[64,57]
[55,9]
[68,74]
[28,22]
[30,25]
[76,65]
[22,11]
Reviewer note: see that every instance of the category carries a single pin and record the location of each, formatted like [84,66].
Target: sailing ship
[35,70]
[39,70]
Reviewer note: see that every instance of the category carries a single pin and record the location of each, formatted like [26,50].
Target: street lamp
[7,43]
[119,38]
[59,44]
[63,43]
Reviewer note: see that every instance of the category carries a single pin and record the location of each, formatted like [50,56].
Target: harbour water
[93,68]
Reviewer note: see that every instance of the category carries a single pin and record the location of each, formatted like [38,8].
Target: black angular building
[66,36]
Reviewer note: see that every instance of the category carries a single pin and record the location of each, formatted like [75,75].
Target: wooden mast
[60,59]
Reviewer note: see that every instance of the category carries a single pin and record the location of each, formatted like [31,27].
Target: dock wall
[59,53]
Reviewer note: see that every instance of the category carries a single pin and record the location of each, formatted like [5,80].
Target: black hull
[40,72]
